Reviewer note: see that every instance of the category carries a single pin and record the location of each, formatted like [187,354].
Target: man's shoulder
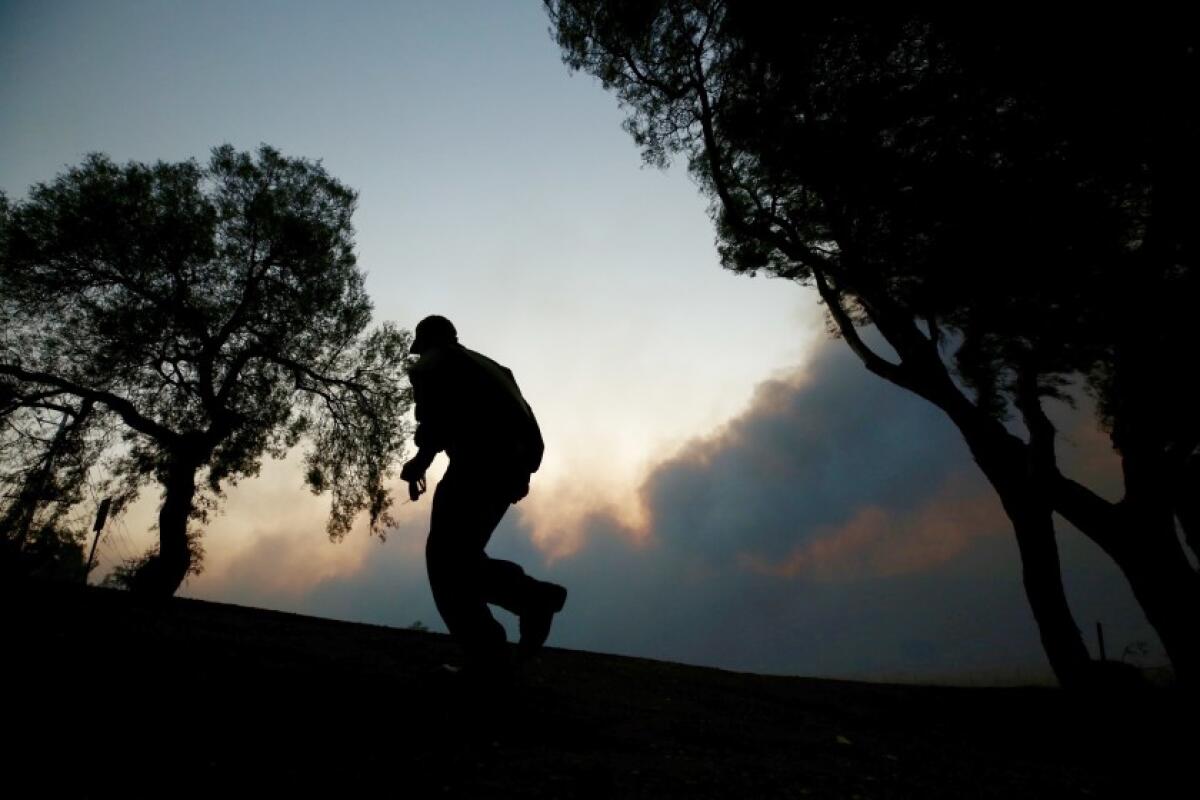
[457,364]
[480,358]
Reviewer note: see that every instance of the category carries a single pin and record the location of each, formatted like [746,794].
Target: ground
[114,695]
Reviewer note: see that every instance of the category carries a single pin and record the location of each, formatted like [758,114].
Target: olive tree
[205,316]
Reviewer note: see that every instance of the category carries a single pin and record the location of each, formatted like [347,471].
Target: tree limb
[794,250]
[120,405]
[872,360]
[304,369]
[1087,511]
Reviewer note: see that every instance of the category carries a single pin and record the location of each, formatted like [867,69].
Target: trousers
[467,507]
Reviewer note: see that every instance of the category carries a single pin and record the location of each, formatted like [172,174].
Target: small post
[1100,637]
[101,518]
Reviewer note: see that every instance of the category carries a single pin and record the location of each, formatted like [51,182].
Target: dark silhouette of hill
[112,694]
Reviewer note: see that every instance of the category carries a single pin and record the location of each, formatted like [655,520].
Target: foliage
[1011,207]
[210,315]
[993,180]
[48,552]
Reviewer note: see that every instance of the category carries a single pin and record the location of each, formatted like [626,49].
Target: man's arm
[430,434]
[427,437]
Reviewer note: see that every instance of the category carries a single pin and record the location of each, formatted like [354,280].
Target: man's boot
[547,599]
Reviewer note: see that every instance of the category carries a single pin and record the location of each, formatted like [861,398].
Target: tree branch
[794,250]
[872,360]
[212,398]
[1041,430]
[232,374]
[304,369]
[1087,511]
[120,405]
[15,401]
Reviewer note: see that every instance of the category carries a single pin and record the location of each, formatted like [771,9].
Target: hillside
[112,695]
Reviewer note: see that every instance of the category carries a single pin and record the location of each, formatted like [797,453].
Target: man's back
[471,407]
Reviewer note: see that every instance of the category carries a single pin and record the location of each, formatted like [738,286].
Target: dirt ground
[111,695]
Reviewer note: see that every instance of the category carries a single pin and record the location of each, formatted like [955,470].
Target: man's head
[433,331]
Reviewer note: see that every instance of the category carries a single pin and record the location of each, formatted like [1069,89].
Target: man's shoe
[535,623]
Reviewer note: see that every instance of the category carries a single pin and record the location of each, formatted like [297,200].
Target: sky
[723,484]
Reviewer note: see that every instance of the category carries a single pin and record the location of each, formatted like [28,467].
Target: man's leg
[506,585]
[536,602]
[466,510]
[460,525]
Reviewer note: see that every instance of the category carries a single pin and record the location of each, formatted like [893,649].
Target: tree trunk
[173,549]
[1165,585]
[1148,550]
[162,575]
[1026,478]
[1041,573]
[1013,473]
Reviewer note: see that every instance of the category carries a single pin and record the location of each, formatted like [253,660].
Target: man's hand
[416,489]
[414,473]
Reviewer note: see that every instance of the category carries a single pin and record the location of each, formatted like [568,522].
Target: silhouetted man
[470,407]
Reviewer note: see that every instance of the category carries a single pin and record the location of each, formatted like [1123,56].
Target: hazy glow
[495,188]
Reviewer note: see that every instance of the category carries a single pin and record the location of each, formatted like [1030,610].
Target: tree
[182,321]
[967,191]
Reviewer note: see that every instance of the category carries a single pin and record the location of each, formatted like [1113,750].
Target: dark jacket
[470,407]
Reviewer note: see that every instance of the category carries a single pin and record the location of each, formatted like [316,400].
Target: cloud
[285,563]
[876,542]
[811,453]
[666,600]
[837,527]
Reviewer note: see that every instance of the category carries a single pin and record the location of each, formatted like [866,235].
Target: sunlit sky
[499,190]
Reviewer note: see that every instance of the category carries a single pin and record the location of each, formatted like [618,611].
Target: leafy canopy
[210,315]
[1020,185]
